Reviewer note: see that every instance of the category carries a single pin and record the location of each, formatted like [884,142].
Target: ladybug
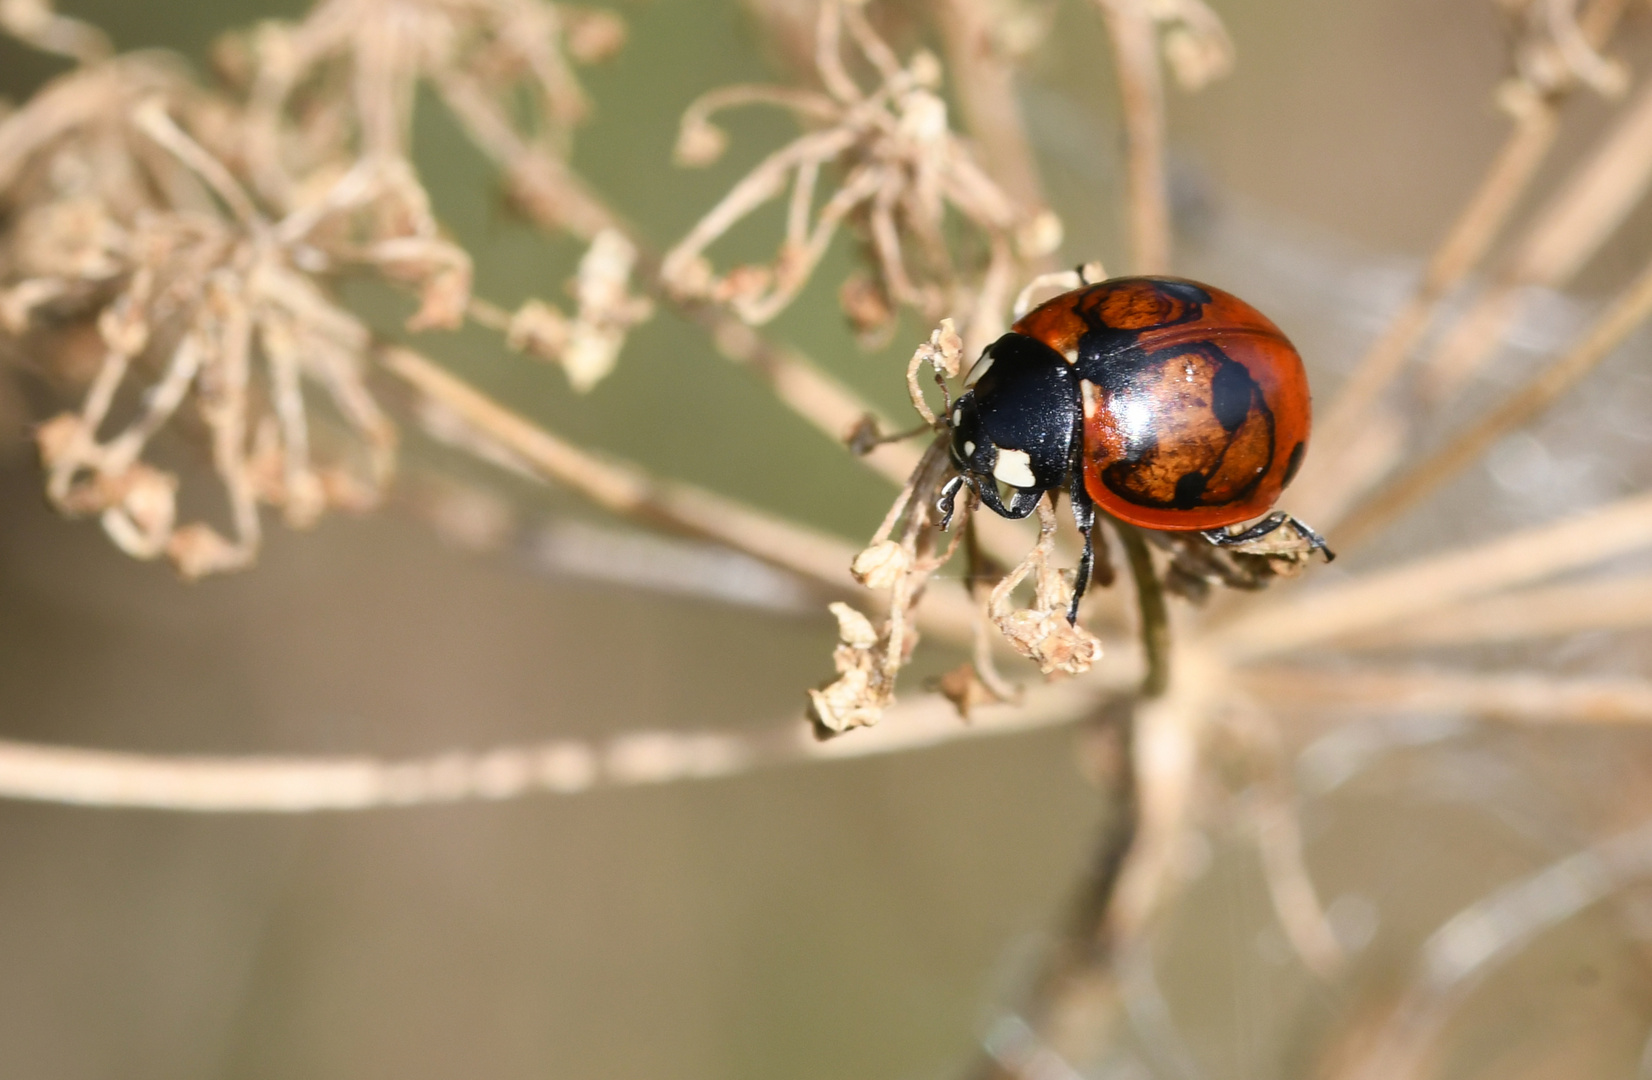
[1169,404]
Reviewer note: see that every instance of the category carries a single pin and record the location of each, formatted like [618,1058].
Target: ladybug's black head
[1017,425]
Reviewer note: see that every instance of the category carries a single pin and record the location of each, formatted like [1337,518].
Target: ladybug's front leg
[1084,515]
[1266,527]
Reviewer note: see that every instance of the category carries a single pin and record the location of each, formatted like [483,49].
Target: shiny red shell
[1195,405]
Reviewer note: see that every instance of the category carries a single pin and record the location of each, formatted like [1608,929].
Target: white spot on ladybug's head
[969,448]
[979,369]
[1071,355]
[957,415]
[1014,467]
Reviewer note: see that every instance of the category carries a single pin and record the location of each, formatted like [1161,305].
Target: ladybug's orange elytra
[1195,406]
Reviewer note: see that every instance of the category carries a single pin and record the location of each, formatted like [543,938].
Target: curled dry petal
[699,142]
[588,345]
[854,629]
[593,36]
[859,695]
[881,565]
[198,550]
[1047,638]
[538,329]
[140,516]
[944,351]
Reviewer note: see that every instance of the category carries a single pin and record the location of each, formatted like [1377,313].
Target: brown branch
[1613,603]
[1626,313]
[289,784]
[626,489]
[1141,93]
[1373,600]
[1523,698]
[1580,217]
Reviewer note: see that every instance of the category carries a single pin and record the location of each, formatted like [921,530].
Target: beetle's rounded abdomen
[1195,405]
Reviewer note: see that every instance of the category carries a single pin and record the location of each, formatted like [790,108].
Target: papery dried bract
[158,250]
[905,180]
[859,695]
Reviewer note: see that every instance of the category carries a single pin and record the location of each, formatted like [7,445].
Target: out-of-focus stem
[983,81]
[1141,94]
[1155,618]
[1626,313]
[1482,219]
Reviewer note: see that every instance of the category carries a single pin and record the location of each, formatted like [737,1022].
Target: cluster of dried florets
[162,247]
[899,168]
[588,345]
[1555,49]
[133,257]
[484,59]
[906,551]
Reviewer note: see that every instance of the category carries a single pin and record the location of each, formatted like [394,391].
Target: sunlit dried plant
[901,168]
[166,250]
[191,293]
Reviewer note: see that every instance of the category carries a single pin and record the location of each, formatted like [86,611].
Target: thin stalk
[1626,313]
[1155,618]
[1141,92]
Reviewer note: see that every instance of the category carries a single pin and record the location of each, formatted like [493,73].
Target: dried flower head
[588,345]
[1552,50]
[900,170]
[130,244]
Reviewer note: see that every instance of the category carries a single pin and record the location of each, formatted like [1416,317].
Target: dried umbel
[899,170]
[485,58]
[1552,51]
[588,345]
[185,298]
[899,560]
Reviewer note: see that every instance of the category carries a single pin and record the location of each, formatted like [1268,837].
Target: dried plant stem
[1613,603]
[1533,699]
[1458,956]
[295,784]
[626,489]
[1626,313]
[1295,899]
[1141,93]
[827,404]
[983,80]
[1150,607]
[1465,245]
[1382,598]
[553,198]
[1075,998]
[1565,234]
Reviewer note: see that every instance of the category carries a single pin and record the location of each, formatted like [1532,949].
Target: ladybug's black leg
[947,500]
[1223,538]
[1084,515]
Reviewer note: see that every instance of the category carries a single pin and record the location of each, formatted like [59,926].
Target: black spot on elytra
[1294,463]
[1189,488]
[1185,291]
[1231,394]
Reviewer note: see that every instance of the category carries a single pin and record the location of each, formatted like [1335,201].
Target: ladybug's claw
[946,503]
[1223,538]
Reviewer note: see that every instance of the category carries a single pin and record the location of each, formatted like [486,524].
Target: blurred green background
[864,919]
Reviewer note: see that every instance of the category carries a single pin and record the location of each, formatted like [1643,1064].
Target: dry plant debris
[901,168]
[133,247]
[169,252]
